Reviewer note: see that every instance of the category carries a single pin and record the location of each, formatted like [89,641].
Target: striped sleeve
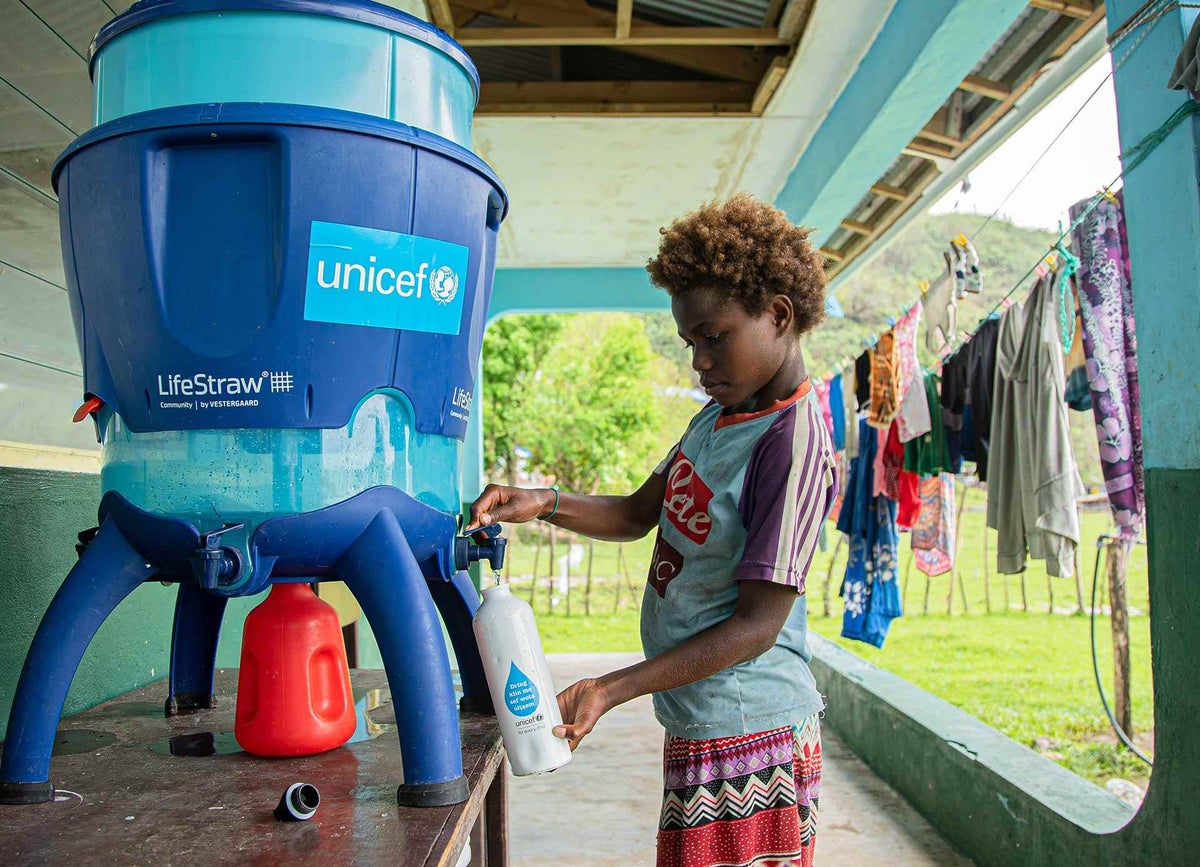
[790,485]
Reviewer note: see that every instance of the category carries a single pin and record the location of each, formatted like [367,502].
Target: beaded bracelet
[555,509]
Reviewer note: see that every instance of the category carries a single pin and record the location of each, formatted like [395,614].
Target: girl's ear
[783,315]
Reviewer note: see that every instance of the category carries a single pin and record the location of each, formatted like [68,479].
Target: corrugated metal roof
[712,13]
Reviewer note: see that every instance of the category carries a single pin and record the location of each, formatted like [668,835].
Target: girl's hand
[502,504]
[581,704]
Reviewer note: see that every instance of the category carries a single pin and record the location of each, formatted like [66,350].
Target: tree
[594,419]
[513,348]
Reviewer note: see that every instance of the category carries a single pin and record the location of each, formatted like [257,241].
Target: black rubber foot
[189,702]
[477,704]
[433,794]
[26,793]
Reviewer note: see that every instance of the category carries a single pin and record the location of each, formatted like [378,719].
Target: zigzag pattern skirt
[748,801]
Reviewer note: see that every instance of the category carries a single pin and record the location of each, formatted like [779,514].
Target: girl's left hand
[581,704]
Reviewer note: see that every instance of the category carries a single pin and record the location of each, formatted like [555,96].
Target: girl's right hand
[502,504]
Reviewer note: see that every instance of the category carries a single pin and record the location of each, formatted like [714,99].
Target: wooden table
[131,794]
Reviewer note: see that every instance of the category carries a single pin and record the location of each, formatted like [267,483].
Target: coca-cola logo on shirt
[665,564]
[686,500]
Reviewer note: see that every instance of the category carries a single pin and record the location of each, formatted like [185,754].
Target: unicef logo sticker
[443,284]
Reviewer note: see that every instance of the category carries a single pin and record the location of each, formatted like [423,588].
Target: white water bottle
[519,680]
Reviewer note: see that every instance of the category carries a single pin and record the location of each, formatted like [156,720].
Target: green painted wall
[40,513]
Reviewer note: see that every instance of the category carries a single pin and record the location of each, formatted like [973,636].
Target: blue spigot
[213,564]
[467,551]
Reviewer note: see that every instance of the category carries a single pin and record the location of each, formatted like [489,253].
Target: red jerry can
[294,696]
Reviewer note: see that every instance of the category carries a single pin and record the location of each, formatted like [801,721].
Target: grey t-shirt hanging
[745,498]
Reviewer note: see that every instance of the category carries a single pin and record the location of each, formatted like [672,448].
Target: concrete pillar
[1162,204]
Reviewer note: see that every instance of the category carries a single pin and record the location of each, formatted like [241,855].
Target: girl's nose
[701,360]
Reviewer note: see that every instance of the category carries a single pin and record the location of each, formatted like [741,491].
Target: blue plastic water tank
[279,306]
[354,55]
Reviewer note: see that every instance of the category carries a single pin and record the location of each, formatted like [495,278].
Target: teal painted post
[923,52]
[1162,208]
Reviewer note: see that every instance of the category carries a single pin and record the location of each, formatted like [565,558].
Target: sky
[1075,167]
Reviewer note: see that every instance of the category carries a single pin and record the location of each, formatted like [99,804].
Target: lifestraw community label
[361,276]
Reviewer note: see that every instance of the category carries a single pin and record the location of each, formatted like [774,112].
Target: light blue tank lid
[363,11]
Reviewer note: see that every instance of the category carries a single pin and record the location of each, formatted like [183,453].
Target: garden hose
[1125,739]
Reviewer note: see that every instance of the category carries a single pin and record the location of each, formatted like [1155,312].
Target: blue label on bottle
[361,276]
[520,694]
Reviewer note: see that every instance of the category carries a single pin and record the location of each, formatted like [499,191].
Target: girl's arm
[762,610]
[612,519]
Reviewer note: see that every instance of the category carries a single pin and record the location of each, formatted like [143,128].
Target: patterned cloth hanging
[933,536]
[1110,346]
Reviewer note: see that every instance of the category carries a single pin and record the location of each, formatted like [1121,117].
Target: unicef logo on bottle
[443,284]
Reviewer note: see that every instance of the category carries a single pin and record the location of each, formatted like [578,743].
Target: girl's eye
[688,343]
[714,338]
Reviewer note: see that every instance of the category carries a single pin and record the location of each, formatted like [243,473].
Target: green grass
[1026,673]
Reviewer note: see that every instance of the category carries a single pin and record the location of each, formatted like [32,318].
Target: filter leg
[382,573]
[108,570]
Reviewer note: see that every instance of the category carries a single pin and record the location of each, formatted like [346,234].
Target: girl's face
[736,353]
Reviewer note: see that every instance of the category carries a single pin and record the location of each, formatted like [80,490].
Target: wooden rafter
[938,129]
[441,14]
[737,63]
[832,255]
[986,87]
[1070,8]
[485,37]
[624,18]
[794,19]
[889,192]
[771,18]
[615,97]
[857,227]
[770,83]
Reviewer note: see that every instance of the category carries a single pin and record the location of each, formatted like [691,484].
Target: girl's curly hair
[748,249]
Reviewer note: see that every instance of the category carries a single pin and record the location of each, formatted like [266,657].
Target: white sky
[1078,165]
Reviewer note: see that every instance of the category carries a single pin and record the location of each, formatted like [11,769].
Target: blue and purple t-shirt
[745,498]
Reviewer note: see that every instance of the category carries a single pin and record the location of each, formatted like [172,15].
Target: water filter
[519,681]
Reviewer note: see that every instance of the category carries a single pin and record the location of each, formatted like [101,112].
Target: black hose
[1125,739]
[299,803]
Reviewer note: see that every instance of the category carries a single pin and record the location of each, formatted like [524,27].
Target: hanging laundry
[954,404]
[941,312]
[1033,482]
[851,411]
[913,419]
[1110,345]
[906,349]
[862,380]
[821,391]
[1079,391]
[885,392]
[870,588]
[933,535]
[926,455]
[981,373]
[837,408]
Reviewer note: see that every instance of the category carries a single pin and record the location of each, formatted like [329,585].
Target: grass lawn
[1027,673]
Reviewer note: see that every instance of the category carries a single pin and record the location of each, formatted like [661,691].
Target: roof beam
[770,83]
[485,37]
[624,18]
[831,254]
[1070,8]
[856,227]
[794,18]
[939,129]
[615,97]
[441,14]
[889,192]
[739,64]
[986,87]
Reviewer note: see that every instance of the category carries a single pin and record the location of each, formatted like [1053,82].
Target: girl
[738,505]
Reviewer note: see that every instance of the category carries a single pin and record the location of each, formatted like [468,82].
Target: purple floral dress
[1110,346]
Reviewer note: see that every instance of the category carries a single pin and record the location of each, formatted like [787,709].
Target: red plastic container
[294,695]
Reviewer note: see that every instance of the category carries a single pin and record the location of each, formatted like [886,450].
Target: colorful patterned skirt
[748,801]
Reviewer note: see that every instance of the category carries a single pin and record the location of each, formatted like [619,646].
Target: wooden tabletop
[128,797]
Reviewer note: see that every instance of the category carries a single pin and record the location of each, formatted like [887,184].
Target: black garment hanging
[981,372]
[862,380]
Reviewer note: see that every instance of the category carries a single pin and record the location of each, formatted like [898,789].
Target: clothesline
[1135,155]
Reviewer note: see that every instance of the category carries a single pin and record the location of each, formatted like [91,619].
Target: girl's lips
[713,388]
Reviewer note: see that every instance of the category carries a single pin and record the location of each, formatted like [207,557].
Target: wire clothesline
[1131,159]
